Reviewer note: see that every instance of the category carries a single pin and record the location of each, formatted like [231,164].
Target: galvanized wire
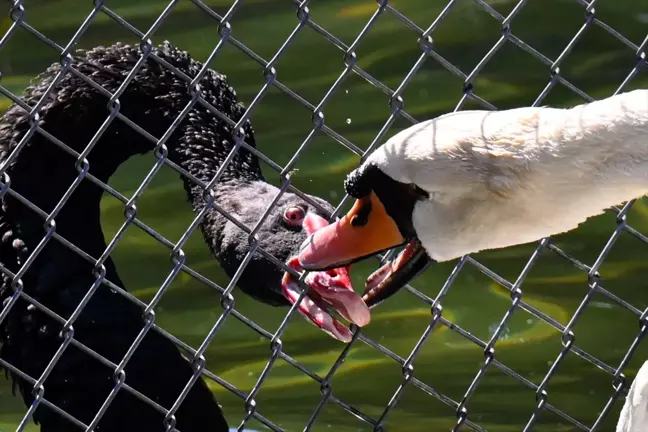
[424,38]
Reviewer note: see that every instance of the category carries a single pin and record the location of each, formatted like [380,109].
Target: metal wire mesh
[394,97]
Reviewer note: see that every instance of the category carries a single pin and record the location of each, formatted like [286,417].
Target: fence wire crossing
[394,97]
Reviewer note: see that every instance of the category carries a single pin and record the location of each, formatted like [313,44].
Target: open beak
[327,289]
[391,277]
[367,229]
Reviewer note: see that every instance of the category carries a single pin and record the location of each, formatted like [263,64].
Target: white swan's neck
[634,414]
[607,133]
[502,178]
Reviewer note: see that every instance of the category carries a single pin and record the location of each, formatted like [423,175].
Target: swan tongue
[336,289]
[331,287]
[315,312]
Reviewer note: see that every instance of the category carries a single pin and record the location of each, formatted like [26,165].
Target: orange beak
[364,231]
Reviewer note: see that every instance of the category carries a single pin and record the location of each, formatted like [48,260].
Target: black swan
[58,278]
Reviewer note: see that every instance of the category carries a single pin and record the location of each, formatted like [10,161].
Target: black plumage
[59,278]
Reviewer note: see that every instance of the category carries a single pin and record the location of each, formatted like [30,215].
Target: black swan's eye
[294,216]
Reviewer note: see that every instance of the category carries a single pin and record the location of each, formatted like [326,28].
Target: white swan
[476,180]
[634,414]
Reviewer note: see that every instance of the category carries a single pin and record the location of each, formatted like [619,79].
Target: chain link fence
[394,97]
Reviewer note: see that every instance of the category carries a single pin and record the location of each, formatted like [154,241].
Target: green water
[447,362]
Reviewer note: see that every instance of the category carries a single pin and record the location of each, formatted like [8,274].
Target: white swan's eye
[294,216]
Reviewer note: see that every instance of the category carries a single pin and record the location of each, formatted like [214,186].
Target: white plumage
[502,178]
[634,414]
[492,179]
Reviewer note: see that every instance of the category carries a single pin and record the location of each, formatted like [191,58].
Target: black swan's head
[287,224]
[200,144]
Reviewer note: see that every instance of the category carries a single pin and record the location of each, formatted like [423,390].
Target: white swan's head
[383,216]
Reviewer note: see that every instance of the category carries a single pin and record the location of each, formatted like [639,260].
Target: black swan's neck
[59,278]
[153,99]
